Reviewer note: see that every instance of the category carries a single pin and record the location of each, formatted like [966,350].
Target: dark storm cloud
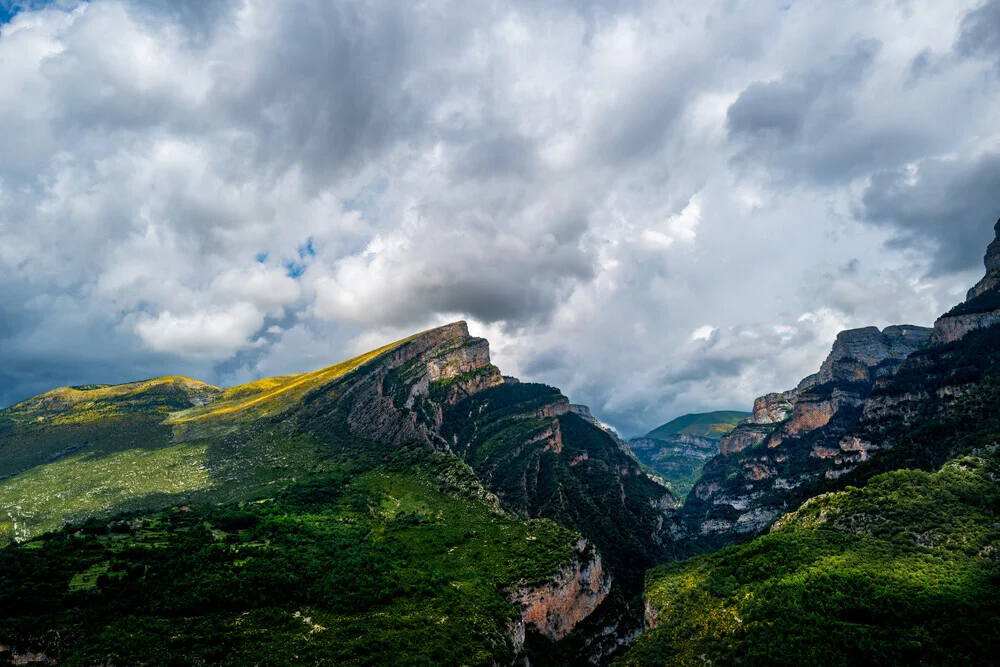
[950,204]
[980,33]
[808,123]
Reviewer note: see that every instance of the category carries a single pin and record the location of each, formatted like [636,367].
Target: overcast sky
[658,207]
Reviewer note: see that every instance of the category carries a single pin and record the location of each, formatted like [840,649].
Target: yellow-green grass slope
[903,571]
[93,450]
[711,425]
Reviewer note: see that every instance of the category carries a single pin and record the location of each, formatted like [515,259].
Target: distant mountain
[408,506]
[676,459]
[677,451]
[711,425]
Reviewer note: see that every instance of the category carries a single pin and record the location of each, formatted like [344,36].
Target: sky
[657,206]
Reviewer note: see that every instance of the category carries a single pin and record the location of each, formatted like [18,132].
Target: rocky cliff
[554,608]
[400,398]
[677,459]
[544,459]
[786,446]
[991,281]
[981,308]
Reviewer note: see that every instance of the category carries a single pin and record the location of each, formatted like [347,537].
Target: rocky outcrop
[951,328]
[859,353]
[991,281]
[773,408]
[393,401]
[793,438]
[24,658]
[981,308]
[554,608]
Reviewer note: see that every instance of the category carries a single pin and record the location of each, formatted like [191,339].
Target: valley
[415,506]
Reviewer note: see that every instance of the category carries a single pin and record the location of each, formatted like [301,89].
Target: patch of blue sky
[11,8]
[306,249]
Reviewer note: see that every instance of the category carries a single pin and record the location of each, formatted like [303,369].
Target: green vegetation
[398,565]
[80,486]
[562,468]
[677,460]
[903,571]
[95,450]
[712,425]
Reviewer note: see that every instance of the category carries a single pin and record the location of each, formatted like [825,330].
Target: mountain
[677,451]
[711,425]
[676,459]
[885,492]
[777,458]
[409,506]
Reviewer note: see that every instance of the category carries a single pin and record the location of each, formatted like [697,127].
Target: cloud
[948,204]
[980,35]
[243,188]
[210,335]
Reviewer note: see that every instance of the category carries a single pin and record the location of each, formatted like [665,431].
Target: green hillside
[903,571]
[400,565]
[712,425]
[408,506]
[74,453]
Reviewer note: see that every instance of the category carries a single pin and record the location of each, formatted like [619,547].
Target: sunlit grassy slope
[713,425]
[76,452]
[269,396]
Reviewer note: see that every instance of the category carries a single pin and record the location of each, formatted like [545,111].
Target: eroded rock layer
[793,438]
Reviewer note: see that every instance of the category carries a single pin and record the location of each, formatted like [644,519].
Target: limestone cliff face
[950,328]
[981,308]
[991,281]
[553,609]
[793,437]
[773,408]
[392,402]
[859,355]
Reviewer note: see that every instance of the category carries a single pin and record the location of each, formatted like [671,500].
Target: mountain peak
[991,281]
[981,307]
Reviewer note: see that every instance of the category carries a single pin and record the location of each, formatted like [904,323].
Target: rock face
[556,607]
[393,402]
[991,281]
[981,308]
[678,459]
[788,443]
[773,408]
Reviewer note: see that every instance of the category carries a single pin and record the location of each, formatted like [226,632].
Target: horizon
[659,209]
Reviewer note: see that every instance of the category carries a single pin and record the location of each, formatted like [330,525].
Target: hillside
[677,451]
[676,459]
[711,425]
[409,488]
[903,571]
[881,472]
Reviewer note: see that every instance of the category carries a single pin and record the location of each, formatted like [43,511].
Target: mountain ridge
[421,443]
